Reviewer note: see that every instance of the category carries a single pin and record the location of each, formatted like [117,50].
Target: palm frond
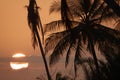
[98,10]
[55,7]
[85,5]
[94,5]
[73,41]
[58,25]
[34,20]
[76,9]
[107,14]
[53,26]
[66,15]
[59,49]
[113,5]
[108,41]
[113,35]
[34,40]
[53,39]
[109,51]
[88,67]
[77,55]
[68,54]
[87,33]
[101,12]
[41,29]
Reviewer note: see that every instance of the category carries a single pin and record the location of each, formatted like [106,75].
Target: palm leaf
[68,54]
[59,49]
[66,15]
[58,25]
[53,26]
[53,39]
[77,55]
[88,66]
[113,35]
[107,14]
[113,5]
[85,4]
[98,10]
[34,20]
[73,41]
[94,5]
[76,9]
[108,41]
[55,7]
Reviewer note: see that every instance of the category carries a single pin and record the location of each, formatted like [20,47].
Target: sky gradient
[15,37]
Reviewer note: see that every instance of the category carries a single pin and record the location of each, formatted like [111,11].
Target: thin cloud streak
[31,59]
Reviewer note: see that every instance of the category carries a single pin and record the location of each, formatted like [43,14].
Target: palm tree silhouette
[35,25]
[86,32]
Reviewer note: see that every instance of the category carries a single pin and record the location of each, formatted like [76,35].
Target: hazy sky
[15,36]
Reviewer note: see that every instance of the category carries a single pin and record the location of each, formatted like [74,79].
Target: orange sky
[15,36]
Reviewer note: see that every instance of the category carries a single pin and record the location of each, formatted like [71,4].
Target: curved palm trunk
[34,23]
[43,56]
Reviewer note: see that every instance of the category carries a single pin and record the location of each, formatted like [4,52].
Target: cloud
[32,59]
[7,59]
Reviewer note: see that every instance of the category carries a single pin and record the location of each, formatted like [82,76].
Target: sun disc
[16,65]
[18,55]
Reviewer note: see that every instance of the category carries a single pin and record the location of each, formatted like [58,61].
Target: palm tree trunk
[95,60]
[43,56]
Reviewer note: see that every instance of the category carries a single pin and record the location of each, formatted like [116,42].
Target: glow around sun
[18,65]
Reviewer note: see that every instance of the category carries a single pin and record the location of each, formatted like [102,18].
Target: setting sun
[18,55]
[18,65]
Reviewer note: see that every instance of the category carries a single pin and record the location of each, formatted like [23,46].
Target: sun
[18,55]
[19,64]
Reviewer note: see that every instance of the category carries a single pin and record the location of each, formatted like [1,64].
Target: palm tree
[35,25]
[83,31]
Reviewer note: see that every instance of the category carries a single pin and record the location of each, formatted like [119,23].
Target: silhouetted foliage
[84,32]
[59,76]
[112,4]
[34,20]
[35,25]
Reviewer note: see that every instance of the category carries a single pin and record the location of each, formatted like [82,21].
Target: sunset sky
[15,37]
